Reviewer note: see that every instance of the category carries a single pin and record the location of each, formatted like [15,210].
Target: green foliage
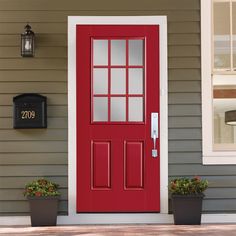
[41,187]
[188,186]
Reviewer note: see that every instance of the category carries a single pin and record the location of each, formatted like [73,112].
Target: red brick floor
[124,230]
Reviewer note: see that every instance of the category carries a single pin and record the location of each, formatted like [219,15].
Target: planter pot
[187,209]
[43,210]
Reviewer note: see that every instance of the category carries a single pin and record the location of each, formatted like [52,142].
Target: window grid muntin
[127,67]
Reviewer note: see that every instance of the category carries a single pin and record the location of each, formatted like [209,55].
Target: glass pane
[118,109]
[234,34]
[221,35]
[100,52]
[136,81]
[223,102]
[118,52]
[100,81]
[100,109]
[136,52]
[118,81]
[135,109]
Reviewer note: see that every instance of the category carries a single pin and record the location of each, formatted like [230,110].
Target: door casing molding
[116,20]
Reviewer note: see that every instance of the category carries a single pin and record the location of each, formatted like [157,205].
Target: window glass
[221,16]
[100,81]
[234,33]
[100,52]
[100,109]
[135,109]
[224,102]
[118,52]
[136,81]
[136,52]
[118,81]
[118,109]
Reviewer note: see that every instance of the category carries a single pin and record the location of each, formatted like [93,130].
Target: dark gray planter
[187,209]
[43,210]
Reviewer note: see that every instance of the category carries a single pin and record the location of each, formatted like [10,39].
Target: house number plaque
[30,111]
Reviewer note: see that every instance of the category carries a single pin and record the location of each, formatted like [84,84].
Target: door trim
[113,20]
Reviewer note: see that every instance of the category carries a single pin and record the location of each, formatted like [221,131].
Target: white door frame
[73,217]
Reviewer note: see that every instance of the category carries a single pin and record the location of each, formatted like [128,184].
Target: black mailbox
[30,111]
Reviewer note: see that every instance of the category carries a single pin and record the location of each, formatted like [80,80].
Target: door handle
[154,132]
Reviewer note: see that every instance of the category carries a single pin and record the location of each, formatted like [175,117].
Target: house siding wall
[28,154]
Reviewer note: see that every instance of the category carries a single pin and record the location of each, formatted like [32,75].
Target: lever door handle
[154,132]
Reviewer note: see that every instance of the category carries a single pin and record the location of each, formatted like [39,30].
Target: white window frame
[210,157]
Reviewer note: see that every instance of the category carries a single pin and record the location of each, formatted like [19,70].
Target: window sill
[219,160]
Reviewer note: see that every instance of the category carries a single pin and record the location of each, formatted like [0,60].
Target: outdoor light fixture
[27,42]
[230,117]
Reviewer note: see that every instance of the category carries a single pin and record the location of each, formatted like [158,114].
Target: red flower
[38,194]
[173,185]
[197,178]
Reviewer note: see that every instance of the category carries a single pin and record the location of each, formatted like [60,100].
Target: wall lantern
[27,42]
[230,117]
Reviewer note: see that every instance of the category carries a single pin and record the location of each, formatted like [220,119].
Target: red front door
[117,94]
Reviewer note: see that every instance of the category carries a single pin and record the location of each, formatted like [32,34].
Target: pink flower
[38,194]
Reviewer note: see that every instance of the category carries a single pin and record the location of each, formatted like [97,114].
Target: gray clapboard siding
[184,74]
[23,207]
[185,145]
[57,111]
[61,16]
[33,64]
[33,75]
[60,40]
[53,123]
[221,182]
[48,28]
[103,5]
[182,51]
[184,86]
[182,27]
[216,193]
[189,134]
[184,98]
[44,40]
[33,87]
[184,110]
[219,205]
[31,134]
[184,39]
[33,146]
[190,169]
[183,62]
[11,182]
[41,52]
[185,158]
[33,170]
[60,28]
[17,194]
[33,158]
[52,99]
[52,111]
[186,122]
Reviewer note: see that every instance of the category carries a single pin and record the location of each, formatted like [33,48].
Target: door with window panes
[118,161]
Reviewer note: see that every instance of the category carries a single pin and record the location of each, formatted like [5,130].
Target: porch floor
[124,230]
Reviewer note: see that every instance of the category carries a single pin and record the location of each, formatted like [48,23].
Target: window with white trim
[218,49]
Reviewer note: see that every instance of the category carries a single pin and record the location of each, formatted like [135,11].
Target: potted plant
[43,198]
[187,195]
